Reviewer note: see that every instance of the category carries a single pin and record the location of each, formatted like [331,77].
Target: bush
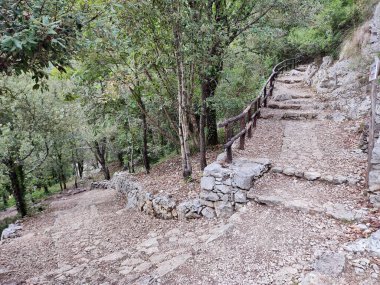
[328,28]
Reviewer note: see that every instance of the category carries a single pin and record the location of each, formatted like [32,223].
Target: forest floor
[91,238]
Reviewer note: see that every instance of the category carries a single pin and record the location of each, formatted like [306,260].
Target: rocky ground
[297,229]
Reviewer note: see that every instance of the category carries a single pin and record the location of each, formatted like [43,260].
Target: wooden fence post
[258,107]
[228,149]
[265,97]
[242,138]
[249,121]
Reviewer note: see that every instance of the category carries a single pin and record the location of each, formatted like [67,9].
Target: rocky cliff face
[343,84]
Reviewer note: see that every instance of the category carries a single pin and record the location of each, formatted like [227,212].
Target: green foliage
[326,31]
[37,34]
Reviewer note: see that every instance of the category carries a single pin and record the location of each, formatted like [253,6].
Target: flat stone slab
[331,264]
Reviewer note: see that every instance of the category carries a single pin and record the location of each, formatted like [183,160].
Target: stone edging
[315,175]
[224,189]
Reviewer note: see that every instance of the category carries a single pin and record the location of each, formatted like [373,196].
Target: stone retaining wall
[224,188]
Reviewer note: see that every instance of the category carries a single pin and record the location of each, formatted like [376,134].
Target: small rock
[241,196]
[289,171]
[328,178]
[207,183]
[312,175]
[277,169]
[339,179]
[224,209]
[209,196]
[209,213]
[251,194]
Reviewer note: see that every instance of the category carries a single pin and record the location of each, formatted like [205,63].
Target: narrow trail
[90,238]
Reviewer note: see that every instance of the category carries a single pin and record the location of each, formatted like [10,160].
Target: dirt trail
[90,238]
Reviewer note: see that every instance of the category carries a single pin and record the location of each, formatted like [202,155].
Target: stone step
[317,176]
[299,116]
[287,97]
[280,114]
[336,211]
[289,80]
[273,105]
[301,68]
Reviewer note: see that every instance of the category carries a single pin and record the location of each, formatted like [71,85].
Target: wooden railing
[247,120]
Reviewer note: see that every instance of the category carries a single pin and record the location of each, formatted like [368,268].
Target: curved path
[293,235]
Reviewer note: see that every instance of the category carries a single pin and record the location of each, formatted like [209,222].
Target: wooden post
[229,154]
[242,138]
[249,120]
[228,135]
[265,97]
[258,105]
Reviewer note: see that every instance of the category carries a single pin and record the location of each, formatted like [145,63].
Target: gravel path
[90,238]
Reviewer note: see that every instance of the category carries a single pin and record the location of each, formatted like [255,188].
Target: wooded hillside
[89,83]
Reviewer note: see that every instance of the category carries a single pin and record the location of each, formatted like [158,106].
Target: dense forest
[87,84]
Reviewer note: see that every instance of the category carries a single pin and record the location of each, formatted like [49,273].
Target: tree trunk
[183,127]
[61,175]
[16,176]
[145,145]
[190,111]
[145,134]
[209,85]
[202,136]
[100,154]
[80,166]
[120,158]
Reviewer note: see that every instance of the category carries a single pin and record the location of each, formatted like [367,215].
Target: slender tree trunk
[190,111]
[145,154]
[80,166]
[209,85]
[100,154]
[183,121]
[202,137]
[16,177]
[145,145]
[120,158]
[62,176]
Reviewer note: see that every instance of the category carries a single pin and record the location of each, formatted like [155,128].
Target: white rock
[207,183]
[289,171]
[209,213]
[240,196]
[331,264]
[312,175]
